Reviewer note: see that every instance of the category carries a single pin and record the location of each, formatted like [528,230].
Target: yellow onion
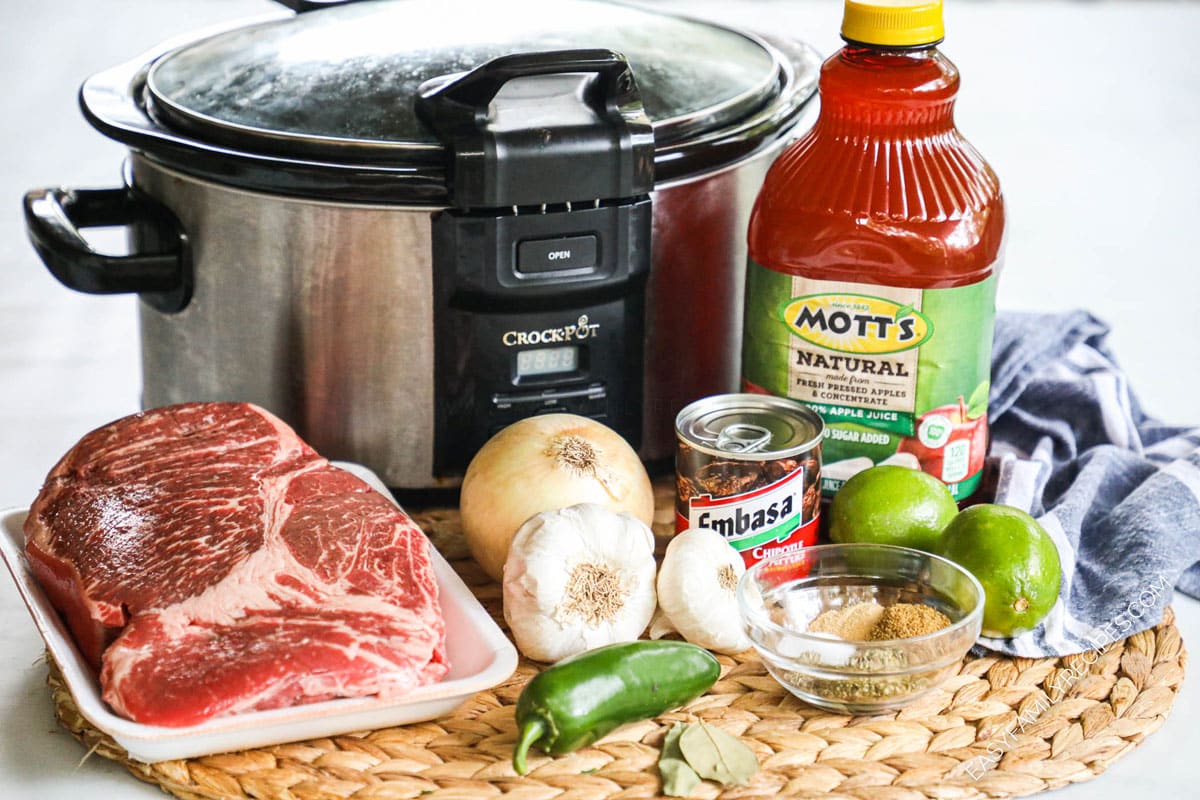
[541,464]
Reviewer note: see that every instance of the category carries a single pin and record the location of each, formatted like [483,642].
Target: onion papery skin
[516,475]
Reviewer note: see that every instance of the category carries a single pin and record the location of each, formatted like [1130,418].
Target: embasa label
[759,523]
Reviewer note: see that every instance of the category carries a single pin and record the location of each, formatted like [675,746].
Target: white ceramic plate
[481,656]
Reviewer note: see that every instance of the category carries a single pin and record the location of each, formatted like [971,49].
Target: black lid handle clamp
[515,139]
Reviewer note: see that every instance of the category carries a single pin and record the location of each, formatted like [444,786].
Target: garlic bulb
[578,578]
[697,590]
[540,464]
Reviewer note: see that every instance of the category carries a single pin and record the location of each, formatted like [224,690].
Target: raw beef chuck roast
[209,562]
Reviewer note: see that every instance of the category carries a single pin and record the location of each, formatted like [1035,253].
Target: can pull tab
[743,438]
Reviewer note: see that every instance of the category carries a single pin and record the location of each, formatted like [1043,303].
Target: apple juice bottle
[874,247]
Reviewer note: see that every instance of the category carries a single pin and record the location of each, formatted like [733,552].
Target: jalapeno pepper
[575,702]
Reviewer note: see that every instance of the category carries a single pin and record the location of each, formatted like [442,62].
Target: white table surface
[1089,112]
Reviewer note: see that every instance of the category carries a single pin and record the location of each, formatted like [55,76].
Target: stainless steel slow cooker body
[306,279]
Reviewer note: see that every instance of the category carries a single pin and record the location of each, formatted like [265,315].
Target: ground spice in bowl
[871,622]
[906,620]
[869,681]
[859,628]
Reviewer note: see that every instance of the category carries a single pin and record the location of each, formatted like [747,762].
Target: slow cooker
[403,224]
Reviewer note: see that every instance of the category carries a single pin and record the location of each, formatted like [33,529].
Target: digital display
[547,361]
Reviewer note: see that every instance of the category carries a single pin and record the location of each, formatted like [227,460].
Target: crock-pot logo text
[855,323]
[582,329]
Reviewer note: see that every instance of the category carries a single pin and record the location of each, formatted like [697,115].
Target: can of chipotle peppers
[748,466]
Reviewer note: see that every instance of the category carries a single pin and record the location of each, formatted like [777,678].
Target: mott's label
[759,523]
[899,375]
[856,323]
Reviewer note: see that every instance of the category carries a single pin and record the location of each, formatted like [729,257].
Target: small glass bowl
[780,597]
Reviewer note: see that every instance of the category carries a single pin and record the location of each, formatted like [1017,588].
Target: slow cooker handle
[528,164]
[55,217]
[458,102]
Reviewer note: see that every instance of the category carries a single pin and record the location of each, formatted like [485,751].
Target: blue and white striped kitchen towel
[1119,492]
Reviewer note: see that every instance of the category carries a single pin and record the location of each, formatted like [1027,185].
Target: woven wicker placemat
[1001,727]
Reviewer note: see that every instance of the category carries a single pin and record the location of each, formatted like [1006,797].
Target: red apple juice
[874,247]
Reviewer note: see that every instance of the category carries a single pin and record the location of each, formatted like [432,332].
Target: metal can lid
[749,426]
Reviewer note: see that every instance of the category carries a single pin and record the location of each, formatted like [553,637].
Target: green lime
[1014,559]
[891,505]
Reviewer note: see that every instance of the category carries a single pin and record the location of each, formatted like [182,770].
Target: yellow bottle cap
[893,23]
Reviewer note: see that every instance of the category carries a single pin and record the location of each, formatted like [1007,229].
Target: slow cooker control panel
[540,265]
[511,342]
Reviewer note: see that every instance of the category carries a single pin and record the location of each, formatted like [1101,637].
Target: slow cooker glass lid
[344,79]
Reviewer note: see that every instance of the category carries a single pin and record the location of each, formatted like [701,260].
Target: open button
[556,255]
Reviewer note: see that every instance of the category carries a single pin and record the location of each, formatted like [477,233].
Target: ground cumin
[871,622]
[906,620]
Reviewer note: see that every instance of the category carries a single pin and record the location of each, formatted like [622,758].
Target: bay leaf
[678,779]
[717,755]
[670,748]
